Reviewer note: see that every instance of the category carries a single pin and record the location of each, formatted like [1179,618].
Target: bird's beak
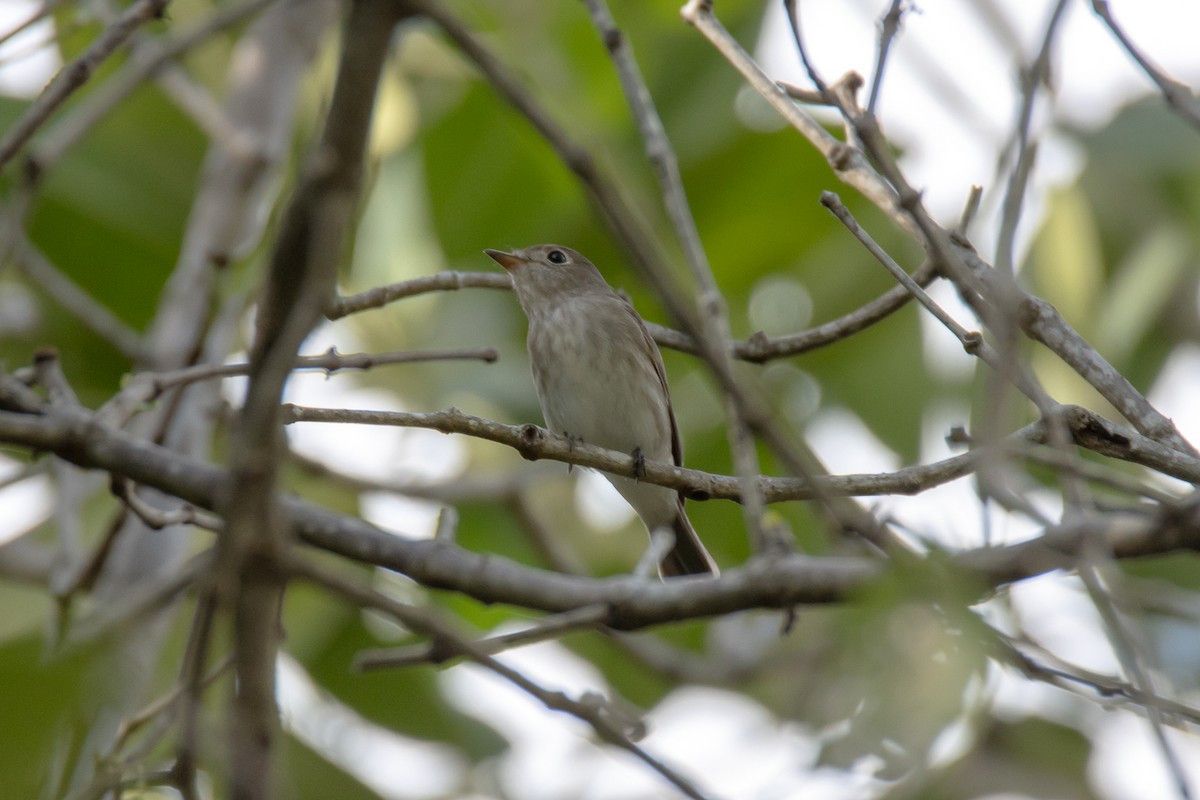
[509,261]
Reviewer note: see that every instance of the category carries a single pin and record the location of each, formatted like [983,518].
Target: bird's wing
[661,371]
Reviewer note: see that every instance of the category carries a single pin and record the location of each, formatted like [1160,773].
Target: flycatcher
[600,379]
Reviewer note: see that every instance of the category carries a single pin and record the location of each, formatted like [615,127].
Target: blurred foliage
[457,170]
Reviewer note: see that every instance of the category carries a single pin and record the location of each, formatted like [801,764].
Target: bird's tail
[688,556]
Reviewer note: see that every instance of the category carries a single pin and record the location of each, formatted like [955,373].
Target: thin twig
[972,341]
[1103,687]
[191,672]
[159,518]
[41,12]
[889,26]
[970,208]
[1032,77]
[165,704]
[814,75]
[146,387]
[552,626]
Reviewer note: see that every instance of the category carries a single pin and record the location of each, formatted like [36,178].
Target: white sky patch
[1176,393]
[600,504]
[24,504]
[408,516]
[846,445]
[397,767]
[551,755]
[948,74]
[730,744]
[1056,612]
[1124,739]
[952,514]
[944,355]
[25,63]
[365,450]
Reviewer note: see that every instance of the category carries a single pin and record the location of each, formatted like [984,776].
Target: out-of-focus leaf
[123,197]
[1070,268]
[43,702]
[908,653]
[1031,756]
[1139,291]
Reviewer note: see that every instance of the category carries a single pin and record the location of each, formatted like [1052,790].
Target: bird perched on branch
[600,379]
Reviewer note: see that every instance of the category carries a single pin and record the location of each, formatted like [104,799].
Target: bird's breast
[595,380]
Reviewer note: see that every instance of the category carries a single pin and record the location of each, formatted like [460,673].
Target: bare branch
[972,341]
[777,582]
[969,210]
[714,328]
[301,277]
[441,282]
[1088,430]
[158,518]
[1048,668]
[146,387]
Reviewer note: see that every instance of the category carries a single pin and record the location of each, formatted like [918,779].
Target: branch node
[841,157]
[972,341]
[531,437]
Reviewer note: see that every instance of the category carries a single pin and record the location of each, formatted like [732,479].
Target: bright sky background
[732,746]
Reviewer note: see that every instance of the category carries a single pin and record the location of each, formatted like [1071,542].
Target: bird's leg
[572,440]
[639,463]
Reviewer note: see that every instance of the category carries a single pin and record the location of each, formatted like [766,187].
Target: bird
[600,379]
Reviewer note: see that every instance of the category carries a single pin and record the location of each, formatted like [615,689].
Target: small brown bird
[600,379]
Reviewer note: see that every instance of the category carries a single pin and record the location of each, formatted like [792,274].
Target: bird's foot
[639,463]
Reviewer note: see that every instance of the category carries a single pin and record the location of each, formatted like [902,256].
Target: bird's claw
[572,440]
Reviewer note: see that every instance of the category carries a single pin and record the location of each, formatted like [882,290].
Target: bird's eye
[556,257]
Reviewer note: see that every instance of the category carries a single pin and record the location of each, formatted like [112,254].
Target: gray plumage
[600,378]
